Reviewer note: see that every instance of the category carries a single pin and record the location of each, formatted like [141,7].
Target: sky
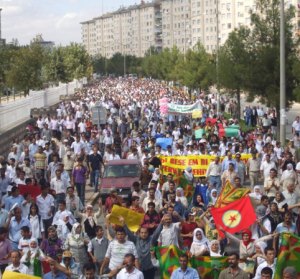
[56,20]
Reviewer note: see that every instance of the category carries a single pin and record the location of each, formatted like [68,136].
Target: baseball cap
[67,254]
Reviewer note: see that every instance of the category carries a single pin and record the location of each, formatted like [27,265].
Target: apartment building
[132,30]
[167,23]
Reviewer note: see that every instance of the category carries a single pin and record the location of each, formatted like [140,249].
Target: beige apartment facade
[129,31]
[167,23]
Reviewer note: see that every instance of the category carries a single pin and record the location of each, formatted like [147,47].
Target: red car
[120,175]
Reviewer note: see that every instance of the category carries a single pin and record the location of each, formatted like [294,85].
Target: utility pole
[217,59]
[282,76]
[0,28]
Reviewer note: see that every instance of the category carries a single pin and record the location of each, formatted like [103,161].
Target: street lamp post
[282,76]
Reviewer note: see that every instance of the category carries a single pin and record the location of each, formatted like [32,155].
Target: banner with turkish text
[199,163]
[183,109]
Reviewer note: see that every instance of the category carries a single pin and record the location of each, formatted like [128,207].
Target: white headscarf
[214,254]
[255,195]
[155,176]
[213,199]
[289,173]
[73,232]
[203,240]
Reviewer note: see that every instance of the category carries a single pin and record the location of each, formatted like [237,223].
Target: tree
[54,69]
[25,68]
[77,62]
[264,65]
[234,63]
[195,70]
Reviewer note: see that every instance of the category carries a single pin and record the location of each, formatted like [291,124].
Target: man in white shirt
[170,232]
[61,212]
[129,271]
[270,262]
[266,166]
[117,250]
[214,172]
[59,185]
[45,203]
[16,265]
[151,198]
[77,145]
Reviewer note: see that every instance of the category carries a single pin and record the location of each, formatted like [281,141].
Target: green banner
[183,109]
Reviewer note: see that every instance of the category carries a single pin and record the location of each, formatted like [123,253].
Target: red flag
[236,216]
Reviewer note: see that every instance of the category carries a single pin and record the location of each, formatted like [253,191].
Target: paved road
[291,114]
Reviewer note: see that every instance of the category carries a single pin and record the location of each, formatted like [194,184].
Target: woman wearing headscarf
[287,175]
[180,197]
[200,245]
[259,255]
[33,257]
[256,194]
[281,202]
[52,244]
[213,196]
[156,175]
[214,249]
[90,219]
[76,242]
[198,204]
[246,244]
[274,216]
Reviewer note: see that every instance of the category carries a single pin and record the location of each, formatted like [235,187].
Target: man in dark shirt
[95,163]
[151,219]
[153,160]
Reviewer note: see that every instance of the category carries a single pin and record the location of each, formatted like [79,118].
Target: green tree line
[34,67]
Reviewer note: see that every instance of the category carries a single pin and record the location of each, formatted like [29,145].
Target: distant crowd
[49,229]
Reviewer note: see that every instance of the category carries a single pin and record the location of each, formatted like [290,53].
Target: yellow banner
[197,113]
[199,163]
[132,219]
[16,275]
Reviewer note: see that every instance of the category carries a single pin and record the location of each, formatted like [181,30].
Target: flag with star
[209,267]
[187,187]
[168,258]
[235,216]
[289,254]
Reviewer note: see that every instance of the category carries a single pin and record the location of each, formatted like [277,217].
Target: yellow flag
[226,189]
[234,195]
[132,219]
[16,275]
[197,113]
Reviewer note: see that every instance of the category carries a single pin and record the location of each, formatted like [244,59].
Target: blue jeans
[80,188]
[216,181]
[95,174]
